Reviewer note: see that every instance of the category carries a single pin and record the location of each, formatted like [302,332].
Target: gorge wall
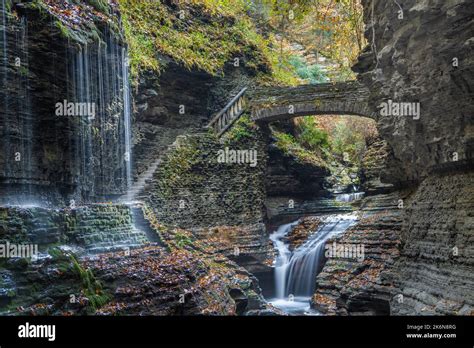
[220,201]
[46,153]
[427,57]
[94,228]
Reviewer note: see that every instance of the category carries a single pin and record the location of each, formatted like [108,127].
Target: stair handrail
[214,121]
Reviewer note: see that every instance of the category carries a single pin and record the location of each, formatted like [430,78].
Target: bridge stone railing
[224,119]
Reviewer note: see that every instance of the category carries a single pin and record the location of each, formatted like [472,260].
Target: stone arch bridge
[269,104]
[280,103]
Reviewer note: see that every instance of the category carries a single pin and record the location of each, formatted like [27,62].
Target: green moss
[8,6]
[50,153]
[204,35]
[241,130]
[22,70]
[311,136]
[182,240]
[65,32]
[290,146]
[178,166]
[100,5]
[91,287]
[61,260]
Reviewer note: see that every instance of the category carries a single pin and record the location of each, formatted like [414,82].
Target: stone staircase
[139,185]
[221,122]
[102,228]
[136,191]
[141,223]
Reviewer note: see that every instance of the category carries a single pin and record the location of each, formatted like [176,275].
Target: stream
[295,271]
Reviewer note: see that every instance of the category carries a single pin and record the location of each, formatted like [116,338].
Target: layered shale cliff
[423,53]
[425,57]
[49,152]
[216,198]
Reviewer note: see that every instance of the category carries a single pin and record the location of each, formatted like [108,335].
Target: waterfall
[349,197]
[127,118]
[84,94]
[283,257]
[100,76]
[296,271]
[25,107]
[4,79]
[4,32]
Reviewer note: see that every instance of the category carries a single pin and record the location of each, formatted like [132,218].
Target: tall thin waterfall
[295,272]
[4,30]
[25,103]
[127,117]
[83,94]
[100,76]
[4,79]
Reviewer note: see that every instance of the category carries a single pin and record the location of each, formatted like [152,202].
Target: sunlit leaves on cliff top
[75,14]
[79,20]
[198,34]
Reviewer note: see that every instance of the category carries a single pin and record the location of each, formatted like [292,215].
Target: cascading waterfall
[282,260]
[295,272]
[92,153]
[349,197]
[4,31]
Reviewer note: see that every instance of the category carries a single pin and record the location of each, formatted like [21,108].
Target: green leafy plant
[91,287]
[290,146]
[100,5]
[310,136]
[182,240]
[346,140]
[242,129]
[216,34]
[310,73]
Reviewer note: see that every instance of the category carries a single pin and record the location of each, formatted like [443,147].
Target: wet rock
[300,233]
[95,228]
[60,157]
[240,299]
[8,289]
[265,313]
[374,162]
